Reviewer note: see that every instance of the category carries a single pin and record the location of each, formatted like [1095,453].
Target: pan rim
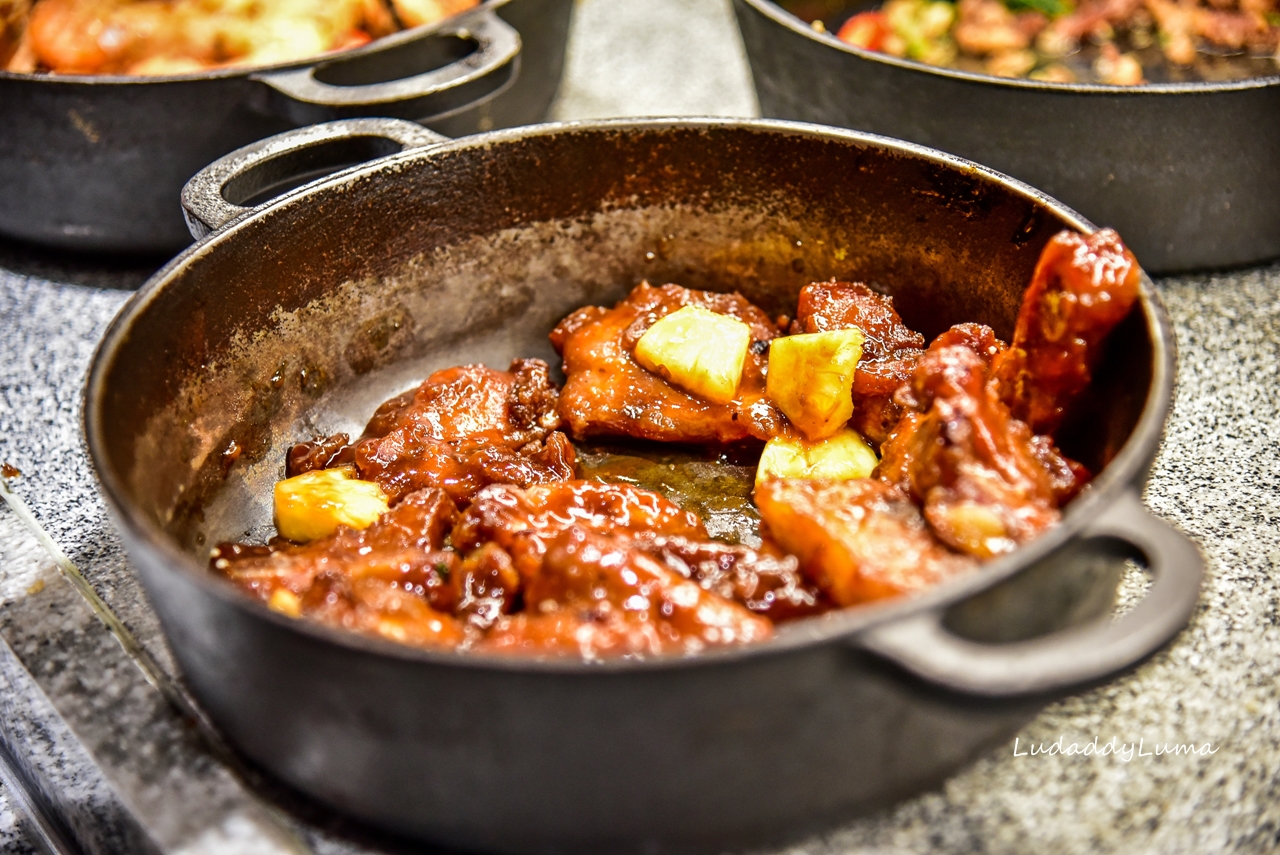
[839,626]
[783,18]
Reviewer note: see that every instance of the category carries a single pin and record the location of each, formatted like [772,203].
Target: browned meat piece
[768,584]
[889,353]
[962,456]
[840,305]
[979,338]
[858,540]
[462,429]
[391,579]
[525,521]
[608,393]
[323,453]
[408,459]
[597,596]
[456,402]
[1066,476]
[1082,287]
[485,586]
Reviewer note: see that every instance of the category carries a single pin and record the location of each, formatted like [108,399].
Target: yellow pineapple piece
[842,457]
[811,379]
[285,602]
[312,505]
[698,350]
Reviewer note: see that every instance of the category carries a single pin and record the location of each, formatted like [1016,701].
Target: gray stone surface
[120,758]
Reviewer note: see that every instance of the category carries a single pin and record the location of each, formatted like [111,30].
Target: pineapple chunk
[811,379]
[698,350]
[285,602]
[842,457]
[312,505]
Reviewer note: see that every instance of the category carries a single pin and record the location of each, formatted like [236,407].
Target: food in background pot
[1118,42]
[155,37]
[464,517]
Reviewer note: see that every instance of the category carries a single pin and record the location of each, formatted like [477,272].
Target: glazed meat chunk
[961,455]
[1081,289]
[391,579]
[858,540]
[524,522]
[608,393]
[596,596]
[766,581]
[461,430]
[890,350]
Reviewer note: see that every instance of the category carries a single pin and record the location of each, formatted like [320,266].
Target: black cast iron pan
[1188,173]
[96,163]
[299,316]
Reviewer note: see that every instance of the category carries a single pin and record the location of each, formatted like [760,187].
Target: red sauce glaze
[889,353]
[608,393]
[524,521]
[1082,287]
[392,579]
[859,540]
[461,430]
[961,455]
[540,563]
[599,596]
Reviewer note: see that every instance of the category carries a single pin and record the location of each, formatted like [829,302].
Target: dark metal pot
[302,315]
[97,162]
[1189,173]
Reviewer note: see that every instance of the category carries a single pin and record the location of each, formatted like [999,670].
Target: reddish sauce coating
[461,430]
[524,521]
[1082,287]
[393,579]
[539,563]
[890,350]
[961,455]
[859,540]
[599,596]
[608,393]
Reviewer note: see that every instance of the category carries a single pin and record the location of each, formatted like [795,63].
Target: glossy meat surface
[391,579]
[597,595]
[461,430]
[960,454]
[889,353]
[608,393]
[857,540]
[767,581]
[525,521]
[1082,288]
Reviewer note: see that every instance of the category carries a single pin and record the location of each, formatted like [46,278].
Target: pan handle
[1075,657]
[236,184]
[372,81]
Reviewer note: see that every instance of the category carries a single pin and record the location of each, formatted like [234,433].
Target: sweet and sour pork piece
[890,349]
[393,579]
[461,430]
[959,453]
[599,596]
[858,540]
[608,393]
[1083,286]
[524,522]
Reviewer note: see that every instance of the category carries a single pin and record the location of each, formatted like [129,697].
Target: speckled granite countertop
[116,766]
